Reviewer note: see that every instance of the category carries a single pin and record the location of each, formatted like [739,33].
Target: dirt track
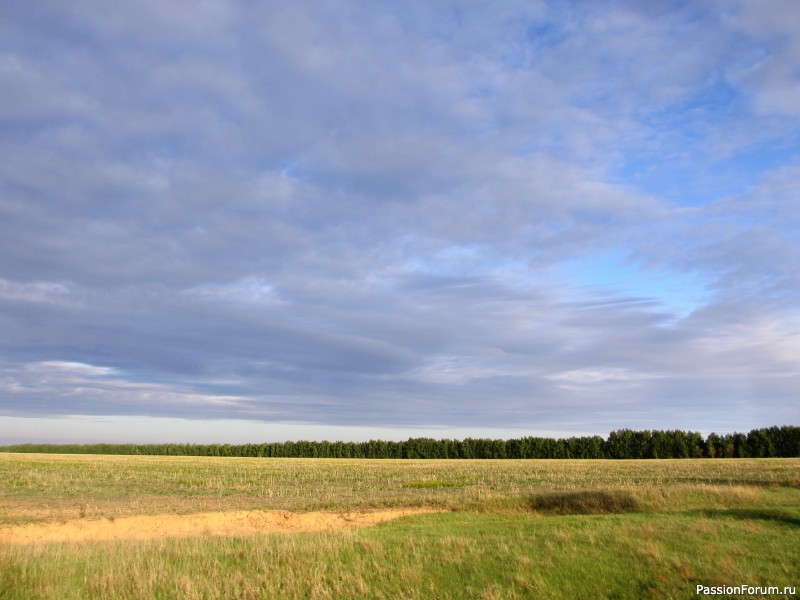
[221,523]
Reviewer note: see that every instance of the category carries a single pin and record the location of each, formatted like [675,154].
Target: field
[178,527]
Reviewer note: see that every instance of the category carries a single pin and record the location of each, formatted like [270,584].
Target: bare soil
[232,523]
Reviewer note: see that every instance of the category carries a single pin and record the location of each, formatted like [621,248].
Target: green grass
[452,555]
[515,529]
[432,483]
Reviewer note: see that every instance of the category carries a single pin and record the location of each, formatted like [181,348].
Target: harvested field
[114,527]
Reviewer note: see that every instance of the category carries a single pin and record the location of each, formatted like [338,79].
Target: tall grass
[452,555]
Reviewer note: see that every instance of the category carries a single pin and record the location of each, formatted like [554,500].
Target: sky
[238,221]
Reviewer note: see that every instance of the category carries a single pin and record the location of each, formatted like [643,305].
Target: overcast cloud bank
[556,216]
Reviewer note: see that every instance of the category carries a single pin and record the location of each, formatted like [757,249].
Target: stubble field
[184,527]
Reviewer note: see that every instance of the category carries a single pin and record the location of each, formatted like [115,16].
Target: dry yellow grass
[42,488]
[237,523]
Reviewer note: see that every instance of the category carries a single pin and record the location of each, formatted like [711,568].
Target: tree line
[770,442]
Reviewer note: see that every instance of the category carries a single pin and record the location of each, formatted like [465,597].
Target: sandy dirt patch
[247,522]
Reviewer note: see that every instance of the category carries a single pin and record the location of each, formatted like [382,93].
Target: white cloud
[461,370]
[250,290]
[773,76]
[72,385]
[37,291]
[66,368]
[589,376]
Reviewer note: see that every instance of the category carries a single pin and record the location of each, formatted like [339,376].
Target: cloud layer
[574,217]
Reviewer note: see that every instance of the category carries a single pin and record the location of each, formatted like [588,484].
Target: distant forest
[771,442]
